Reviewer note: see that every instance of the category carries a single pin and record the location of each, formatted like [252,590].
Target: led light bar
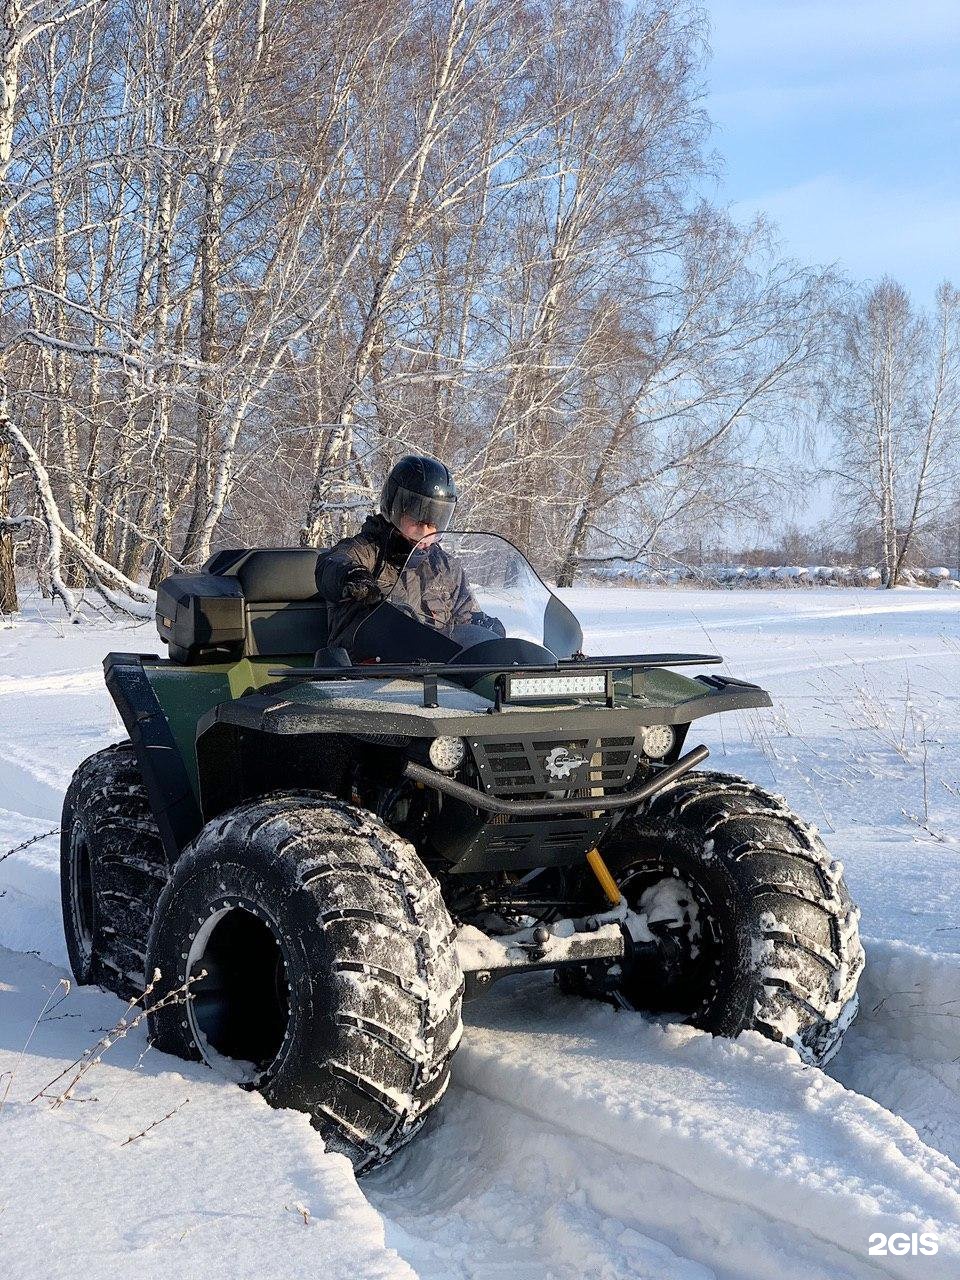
[522,688]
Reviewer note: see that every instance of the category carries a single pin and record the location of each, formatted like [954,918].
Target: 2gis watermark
[898,1244]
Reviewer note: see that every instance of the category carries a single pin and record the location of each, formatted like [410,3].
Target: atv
[321,854]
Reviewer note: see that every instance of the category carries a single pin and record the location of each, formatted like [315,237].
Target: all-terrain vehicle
[323,854]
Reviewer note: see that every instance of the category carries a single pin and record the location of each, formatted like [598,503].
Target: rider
[396,554]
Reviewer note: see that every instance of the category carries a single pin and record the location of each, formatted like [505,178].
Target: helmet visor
[436,512]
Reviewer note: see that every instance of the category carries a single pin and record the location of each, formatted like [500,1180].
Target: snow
[761,1166]
[670,901]
[211,1191]
[575,1140]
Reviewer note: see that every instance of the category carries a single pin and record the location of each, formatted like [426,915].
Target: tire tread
[774,856]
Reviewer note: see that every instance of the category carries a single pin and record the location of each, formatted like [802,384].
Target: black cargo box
[200,615]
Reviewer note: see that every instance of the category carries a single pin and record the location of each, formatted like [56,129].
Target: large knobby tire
[332,983]
[112,870]
[775,944]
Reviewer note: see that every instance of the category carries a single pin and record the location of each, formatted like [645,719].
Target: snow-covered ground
[575,1141]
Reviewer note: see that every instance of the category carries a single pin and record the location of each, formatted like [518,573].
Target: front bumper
[547,808]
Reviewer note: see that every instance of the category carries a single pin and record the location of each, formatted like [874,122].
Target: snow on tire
[332,982]
[776,943]
[112,869]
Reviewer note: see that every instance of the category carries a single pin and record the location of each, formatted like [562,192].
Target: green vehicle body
[212,734]
[239,711]
[187,694]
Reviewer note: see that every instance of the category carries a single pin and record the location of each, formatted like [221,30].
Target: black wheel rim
[678,975]
[239,1012]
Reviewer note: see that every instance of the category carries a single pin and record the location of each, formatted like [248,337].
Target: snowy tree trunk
[118,588]
[11,28]
[8,582]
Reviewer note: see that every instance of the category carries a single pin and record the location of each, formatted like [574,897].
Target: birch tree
[22,22]
[256,250]
[894,402]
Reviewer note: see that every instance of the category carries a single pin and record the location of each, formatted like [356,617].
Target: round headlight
[658,739]
[446,754]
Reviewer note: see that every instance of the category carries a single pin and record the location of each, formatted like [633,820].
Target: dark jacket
[433,585]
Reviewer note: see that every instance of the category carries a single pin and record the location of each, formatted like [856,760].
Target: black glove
[360,587]
[491,624]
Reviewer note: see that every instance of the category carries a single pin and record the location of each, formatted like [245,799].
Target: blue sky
[841,121]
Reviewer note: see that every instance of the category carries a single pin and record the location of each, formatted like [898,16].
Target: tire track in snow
[904,1048]
[729,1155]
[52,683]
[27,788]
[490,1190]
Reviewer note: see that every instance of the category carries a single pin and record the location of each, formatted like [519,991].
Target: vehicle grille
[550,766]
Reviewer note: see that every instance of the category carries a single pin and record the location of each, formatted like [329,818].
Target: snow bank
[904,1050]
[742,575]
[224,1187]
[911,998]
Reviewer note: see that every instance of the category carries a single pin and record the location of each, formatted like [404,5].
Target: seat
[283,612]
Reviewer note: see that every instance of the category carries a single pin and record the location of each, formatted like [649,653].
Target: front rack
[430,672]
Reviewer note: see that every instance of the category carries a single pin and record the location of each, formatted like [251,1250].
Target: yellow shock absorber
[602,872]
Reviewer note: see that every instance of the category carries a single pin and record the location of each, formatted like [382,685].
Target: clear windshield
[453,581]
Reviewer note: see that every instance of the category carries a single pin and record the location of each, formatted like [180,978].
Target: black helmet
[422,489]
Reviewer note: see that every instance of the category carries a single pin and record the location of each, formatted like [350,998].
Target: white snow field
[575,1141]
